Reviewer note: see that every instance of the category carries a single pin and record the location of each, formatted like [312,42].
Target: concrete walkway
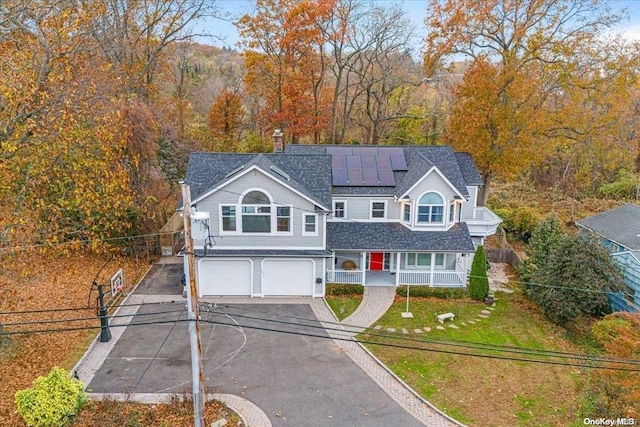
[375,303]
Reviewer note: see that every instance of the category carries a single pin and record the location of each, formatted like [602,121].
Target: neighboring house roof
[620,225]
[310,175]
[458,168]
[264,252]
[396,237]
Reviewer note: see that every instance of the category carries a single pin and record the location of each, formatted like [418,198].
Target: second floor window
[309,224]
[378,210]
[406,213]
[430,209]
[339,209]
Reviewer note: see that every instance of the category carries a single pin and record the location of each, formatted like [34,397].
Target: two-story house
[289,222]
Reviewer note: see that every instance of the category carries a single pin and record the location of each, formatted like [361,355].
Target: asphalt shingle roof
[621,225]
[310,175]
[390,236]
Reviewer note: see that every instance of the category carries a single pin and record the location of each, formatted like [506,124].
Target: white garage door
[288,277]
[225,276]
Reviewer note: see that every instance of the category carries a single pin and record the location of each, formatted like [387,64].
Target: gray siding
[231,194]
[467,206]
[359,208]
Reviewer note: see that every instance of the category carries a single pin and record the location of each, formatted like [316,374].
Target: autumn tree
[286,64]
[517,48]
[225,117]
[609,393]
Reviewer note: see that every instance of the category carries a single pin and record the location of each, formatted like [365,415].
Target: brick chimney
[278,141]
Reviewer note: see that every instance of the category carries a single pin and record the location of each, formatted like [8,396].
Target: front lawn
[480,391]
[343,299]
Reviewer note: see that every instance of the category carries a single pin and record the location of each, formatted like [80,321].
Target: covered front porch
[372,268]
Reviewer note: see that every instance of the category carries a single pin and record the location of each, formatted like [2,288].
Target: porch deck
[447,279]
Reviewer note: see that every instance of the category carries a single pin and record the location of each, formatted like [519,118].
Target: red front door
[376,260]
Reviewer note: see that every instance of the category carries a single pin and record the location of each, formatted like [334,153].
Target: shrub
[519,222]
[575,280]
[51,400]
[340,289]
[545,236]
[478,281]
[427,291]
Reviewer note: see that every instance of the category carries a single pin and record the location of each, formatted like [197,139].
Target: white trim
[418,182]
[268,175]
[386,210]
[333,203]
[324,233]
[445,218]
[260,190]
[283,248]
[304,224]
[402,208]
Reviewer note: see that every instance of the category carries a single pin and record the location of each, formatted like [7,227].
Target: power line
[349,339]
[81,319]
[462,344]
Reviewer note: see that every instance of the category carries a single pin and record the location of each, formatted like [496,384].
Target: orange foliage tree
[287,65]
[526,48]
[616,393]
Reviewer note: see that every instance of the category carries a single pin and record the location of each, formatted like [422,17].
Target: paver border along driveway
[295,379]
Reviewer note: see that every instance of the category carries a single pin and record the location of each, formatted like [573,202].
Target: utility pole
[197,372]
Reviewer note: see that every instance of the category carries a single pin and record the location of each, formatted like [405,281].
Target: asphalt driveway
[295,379]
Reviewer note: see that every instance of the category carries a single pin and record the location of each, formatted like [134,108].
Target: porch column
[433,267]
[363,265]
[397,268]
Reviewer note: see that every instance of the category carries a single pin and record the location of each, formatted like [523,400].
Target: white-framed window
[378,209]
[255,213]
[309,224]
[228,218]
[339,208]
[406,212]
[283,219]
[452,211]
[418,260]
[423,260]
[430,209]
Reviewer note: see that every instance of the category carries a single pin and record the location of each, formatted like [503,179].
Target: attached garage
[225,276]
[288,277]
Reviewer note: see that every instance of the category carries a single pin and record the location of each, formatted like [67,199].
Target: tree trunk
[483,192]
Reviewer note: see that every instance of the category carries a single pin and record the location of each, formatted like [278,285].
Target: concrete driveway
[295,379]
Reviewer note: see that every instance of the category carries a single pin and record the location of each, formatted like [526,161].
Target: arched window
[256,213]
[430,208]
[255,198]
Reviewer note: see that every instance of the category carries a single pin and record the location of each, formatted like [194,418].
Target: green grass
[343,299]
[344,306]
[480,391]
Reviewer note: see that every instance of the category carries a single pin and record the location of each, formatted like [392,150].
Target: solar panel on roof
[339,177]
[354,176]
[386,178]
[392,151]
[340,151]
[365,151]
[369,163]
[383,162]
[354,162]
[370,177]
[398,163]
[338,162]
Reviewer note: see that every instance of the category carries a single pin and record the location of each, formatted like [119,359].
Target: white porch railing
[440,278]
[344,276]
